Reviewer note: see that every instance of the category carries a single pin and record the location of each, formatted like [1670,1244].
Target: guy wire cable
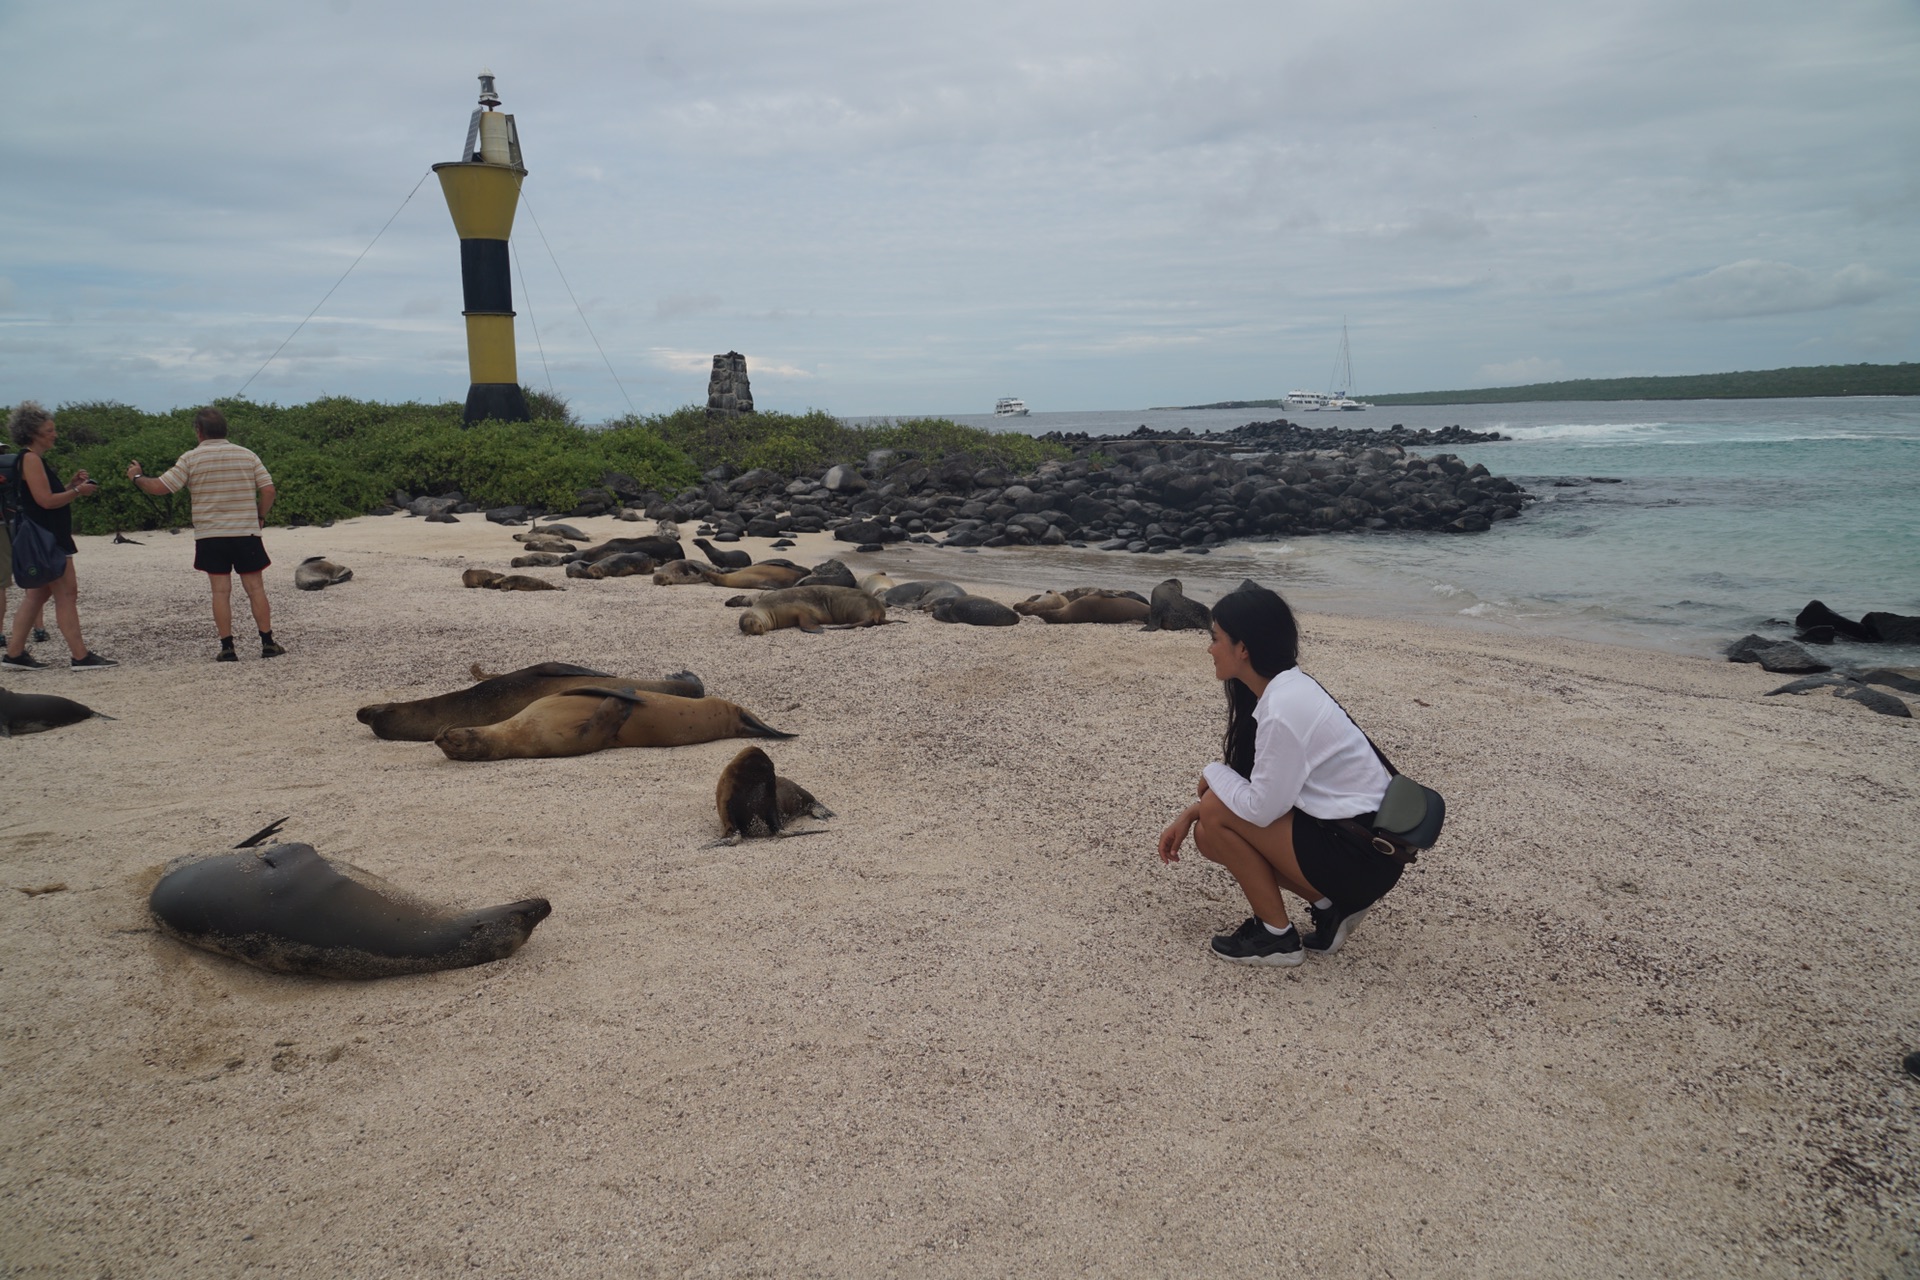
[576,306]
[527,299]
[336,284]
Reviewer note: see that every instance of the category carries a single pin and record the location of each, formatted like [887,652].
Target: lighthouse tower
[483,190]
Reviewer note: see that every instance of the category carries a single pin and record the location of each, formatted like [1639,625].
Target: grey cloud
[1754,287]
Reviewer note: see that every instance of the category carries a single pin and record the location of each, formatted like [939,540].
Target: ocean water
[1727,514]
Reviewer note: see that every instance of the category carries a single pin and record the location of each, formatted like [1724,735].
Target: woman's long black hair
[1261,620]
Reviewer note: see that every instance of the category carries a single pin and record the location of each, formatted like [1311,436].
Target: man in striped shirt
[232,494]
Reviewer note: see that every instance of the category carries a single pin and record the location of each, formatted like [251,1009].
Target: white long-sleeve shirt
[1306,754]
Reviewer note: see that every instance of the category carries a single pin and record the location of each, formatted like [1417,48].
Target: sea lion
[922,595]
[556,530]
[661,549]
[680,573]
[1054,607]
[624,565]
[828,573]
[593,718]
[287,909]
[754,801]
[496,697]
[555,546]
[536,560]
[1171,610]
[723,559]
[666,530]
[39,712]
[876,585]
[317,573]
[812,608]
[505,581]
[976,611]
[762,576]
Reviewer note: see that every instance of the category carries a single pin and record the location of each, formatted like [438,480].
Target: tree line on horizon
[1760,384]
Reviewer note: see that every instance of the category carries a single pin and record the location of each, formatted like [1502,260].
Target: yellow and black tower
[483,190]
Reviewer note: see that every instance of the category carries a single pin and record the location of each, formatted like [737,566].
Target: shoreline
[1632,1014]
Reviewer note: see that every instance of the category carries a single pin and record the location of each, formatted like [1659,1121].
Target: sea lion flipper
[603,726]
[480,673]
[755,727]
[265,833]
[625,695]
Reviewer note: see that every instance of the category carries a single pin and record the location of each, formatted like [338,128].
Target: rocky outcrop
[1783,656]
[728,391]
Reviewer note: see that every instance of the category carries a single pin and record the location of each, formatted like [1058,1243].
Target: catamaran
[1341,400]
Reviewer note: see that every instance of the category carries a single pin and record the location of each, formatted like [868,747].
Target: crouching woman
[1295,765]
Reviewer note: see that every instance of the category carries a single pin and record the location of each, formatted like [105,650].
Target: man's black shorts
[230,555]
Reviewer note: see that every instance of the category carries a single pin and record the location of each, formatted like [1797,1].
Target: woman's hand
[1176,834]
[85,488]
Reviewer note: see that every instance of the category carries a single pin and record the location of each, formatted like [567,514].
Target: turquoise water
[1728,513]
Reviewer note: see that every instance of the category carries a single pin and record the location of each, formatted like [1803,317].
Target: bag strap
[1401,853]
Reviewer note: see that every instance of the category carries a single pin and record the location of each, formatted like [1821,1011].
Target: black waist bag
[1410,815]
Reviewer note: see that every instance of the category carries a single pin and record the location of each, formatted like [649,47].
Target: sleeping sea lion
[39,712]
[754,801]
[536,560]
[811,609]
[539,542]
[922,595]
[1171,610]
[496,697]
[317,573]
[287,909]
[623,565]
[723,559]
[505,581]
[584,720]
[876,585]
[975,610]
[556,530]
[1092,606]
[661,549]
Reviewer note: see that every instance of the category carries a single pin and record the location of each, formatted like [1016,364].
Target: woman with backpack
[44,502]
[1299,785]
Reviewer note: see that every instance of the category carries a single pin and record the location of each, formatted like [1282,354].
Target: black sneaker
[1331,927]
[271,649]
[25,662]
[226,654]
[40,635]
[92,662]
[1253,943]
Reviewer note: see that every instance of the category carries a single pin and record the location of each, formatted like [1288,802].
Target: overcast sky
[898,208]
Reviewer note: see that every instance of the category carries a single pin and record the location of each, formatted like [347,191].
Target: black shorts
[1352,873]
[230,555]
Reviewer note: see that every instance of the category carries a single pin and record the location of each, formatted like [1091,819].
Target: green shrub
[790,442]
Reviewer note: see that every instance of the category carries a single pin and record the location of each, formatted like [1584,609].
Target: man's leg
[254,584]
[221,585]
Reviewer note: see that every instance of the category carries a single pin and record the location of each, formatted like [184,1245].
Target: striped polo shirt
[222,479]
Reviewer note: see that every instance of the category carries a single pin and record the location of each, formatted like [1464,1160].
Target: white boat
[1305,401]
[1009,407]
[1343,378]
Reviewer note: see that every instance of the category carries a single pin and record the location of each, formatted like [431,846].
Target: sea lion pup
[876,585]
[500,696]
[723,559]
[922,595]
[594,718]
[536,560]
[39,712]
[812,609]
[480,577]
[317,573]
[754,801]
[661,549]
[1170,610]
[287,909]
[521,582]
[975,610]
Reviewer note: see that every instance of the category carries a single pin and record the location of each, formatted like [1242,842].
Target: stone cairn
[728,391]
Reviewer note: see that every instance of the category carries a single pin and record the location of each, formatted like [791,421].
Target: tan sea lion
[505,581]
[317,573]
[754,801]
[480,577]
[876,585]
[811,609]
[1091,607]
[595,718]
[555,530]
[287,909]
[500,696]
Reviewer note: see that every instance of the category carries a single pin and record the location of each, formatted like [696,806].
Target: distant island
[1761,384]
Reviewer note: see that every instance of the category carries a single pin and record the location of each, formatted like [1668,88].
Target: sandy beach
[1641,1012]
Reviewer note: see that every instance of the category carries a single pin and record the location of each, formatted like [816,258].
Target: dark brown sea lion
[585,720]
[976,611]
[39,712]
[1172,611]
[537,560]
[723,559]
[812,608]
[287,909]
[540,542]
[494,698]
[317,573]
[754,801]
[505,581]
[922,595]
[661,549]
[624,565]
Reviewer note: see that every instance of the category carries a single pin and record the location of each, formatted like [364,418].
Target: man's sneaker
[1331,927]
[271,648]
[25,662]
[92,662]
[1252,943]
[226,654]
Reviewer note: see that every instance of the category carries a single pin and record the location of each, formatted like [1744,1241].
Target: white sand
[1642,1012]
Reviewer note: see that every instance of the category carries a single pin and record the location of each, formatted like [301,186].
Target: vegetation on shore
[339,457]
[1759,384]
